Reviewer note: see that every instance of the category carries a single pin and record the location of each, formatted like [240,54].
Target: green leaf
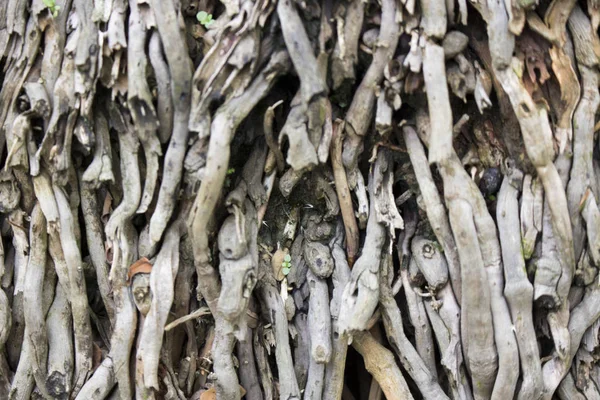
[201,16]
[285,271]
[49,3]
[205,18]
[287,258]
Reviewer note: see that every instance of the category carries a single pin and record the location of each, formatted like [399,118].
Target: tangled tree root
[299,199]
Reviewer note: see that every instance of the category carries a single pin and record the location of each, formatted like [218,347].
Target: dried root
[202,199]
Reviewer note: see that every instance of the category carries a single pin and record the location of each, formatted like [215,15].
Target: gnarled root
[537,135]
[361,293]
[101,383]
[334,372]
[582,317]
[181,79]
[223,127]
[380,362]
[409,357]
[436,212]
[438,101]
[444,315]
[481,356]
[360,113]
[125,252]
[35,324]
[78,296]
[60,347]
[162,281]
[272,303]
[518,290]
[418,319]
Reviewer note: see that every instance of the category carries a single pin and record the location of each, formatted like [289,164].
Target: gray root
[125,253]
[436,271]
[334,372]
[436,212]
[225,122]
[248,374]
[380,362]
[95,239]
[438,102]
[537,136]
[319,322]
[35,324]
[311,82]
[530,214]
[409,357]
[162,281]
[139,101]
[60,346]
[345,53]
[360,113]
[518,290]
[568,391]
[272,303]
[444,314]
[361,293]
[180,68]
[477,334]
[418,319]
[132,187]
[582,317]
[100,384]
[78,296]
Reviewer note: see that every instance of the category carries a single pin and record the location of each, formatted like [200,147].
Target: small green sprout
[51,4]
[204,18]
[230,171]
[286,264]
[438,247]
